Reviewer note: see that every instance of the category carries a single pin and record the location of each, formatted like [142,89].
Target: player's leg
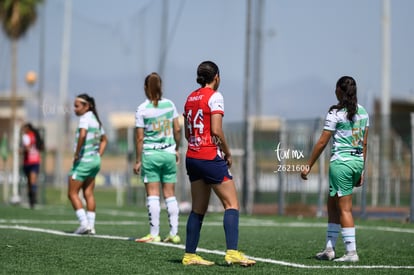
[73,195]
[227,194]
[333,226]
[88,192]
[348,229]
[150,175]
[200,195]
[27,171]
[347,179]
[168,190]
[32,185]
[169,178]
[154,208]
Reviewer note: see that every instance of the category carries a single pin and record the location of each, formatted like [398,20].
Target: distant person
[90,144]
[32,145]
[347,122]
[157,156]
[208,160]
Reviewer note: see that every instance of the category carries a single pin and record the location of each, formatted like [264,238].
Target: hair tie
[82,100]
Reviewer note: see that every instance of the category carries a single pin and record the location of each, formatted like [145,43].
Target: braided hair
[92,106]
[152,87]
[347,96]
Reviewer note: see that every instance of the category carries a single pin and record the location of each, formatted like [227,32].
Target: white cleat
[82,230]
[349,257]
[327,255]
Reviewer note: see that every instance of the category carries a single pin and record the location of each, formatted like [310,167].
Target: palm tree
[16,17]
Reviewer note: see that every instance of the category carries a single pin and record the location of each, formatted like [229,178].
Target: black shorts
[31,168]
[211,171]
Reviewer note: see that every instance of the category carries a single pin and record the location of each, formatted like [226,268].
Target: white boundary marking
[250,222]
[217,252]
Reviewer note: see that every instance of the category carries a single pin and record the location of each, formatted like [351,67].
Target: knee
[231,204]
[199,210]
[71,196]
[88,195]
[235,206]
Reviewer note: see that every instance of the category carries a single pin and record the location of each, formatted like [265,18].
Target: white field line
[217,252]
[244,223]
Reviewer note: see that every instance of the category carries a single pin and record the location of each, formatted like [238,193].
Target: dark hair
[152,87]
[206,72]
[92,106]
[40,144]
[347,97]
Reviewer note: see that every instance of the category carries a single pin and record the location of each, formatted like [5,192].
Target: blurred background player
[157,143]
[208,159]
[90,144]
[32,145]
[347,122]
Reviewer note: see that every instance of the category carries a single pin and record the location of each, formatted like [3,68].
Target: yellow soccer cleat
[193,259]
[237,257]
[172,239]
[149,239]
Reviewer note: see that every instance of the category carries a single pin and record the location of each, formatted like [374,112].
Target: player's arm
[365,144]
[364,150]
[186,129]
[102,144]
[81,140]
[177,133]
[177,137]
[217,132]
[26,142]
[316,152]
[139,133]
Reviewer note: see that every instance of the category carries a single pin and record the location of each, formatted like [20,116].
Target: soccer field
[37,242]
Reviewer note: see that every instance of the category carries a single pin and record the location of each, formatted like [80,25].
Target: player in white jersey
[347,122]
[90,144]
[157,143]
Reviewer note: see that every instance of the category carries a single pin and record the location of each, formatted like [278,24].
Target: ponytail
[152,87]
[39,142]
[347,96]
[92,106]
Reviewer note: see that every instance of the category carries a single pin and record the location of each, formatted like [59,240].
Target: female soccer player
[90,144]
[347,122]
[32,144]
[157,143]
[208,159]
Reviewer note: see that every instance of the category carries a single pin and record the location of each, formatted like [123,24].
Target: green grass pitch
[36,242]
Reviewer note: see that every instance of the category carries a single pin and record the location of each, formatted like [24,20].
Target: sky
[307,46]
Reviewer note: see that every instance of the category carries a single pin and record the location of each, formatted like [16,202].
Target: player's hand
[228,160]
[137,167]
[76,158]
[177,157]
[304,173]
[360,181]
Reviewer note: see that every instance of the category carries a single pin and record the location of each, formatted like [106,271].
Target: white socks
[81,214]
[348,235]
[173,211]
[91,219]
[332,233]
[154,209]
[86,219]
